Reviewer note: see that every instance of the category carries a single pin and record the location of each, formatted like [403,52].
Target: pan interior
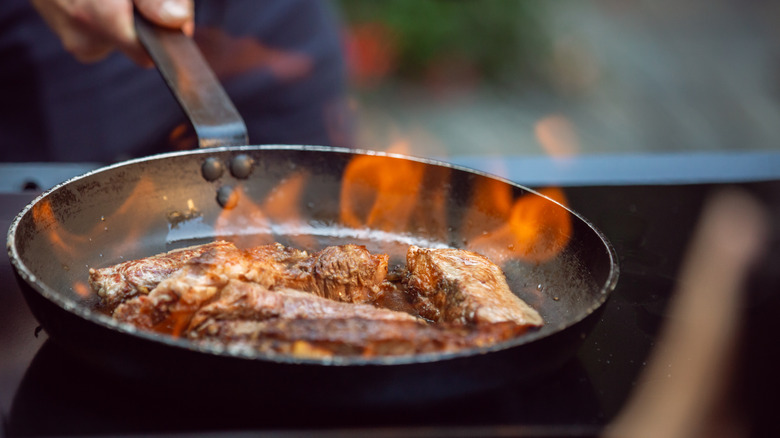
[295,196]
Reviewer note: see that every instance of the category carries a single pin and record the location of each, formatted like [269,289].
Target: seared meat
[186,302]
[325,337]
[117,283]
[458,286]
[338,301]
[299,323]
[242,300]
[348,273]
[169,307]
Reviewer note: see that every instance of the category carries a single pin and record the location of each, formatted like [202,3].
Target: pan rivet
[241,166]
[212,169]
[227,197]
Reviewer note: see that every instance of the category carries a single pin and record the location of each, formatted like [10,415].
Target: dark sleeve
[280,60]
[283,66]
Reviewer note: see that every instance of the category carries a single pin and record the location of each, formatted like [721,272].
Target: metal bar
[200,94]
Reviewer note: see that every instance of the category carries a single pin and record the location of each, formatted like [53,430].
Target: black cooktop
[44,390]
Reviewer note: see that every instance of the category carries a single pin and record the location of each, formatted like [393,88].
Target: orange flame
[43,214]
[135,203]
[387,195]
[532,229]
[408,196]
[376,198]
[65,242]
[68,243]
[245,223]
[251,223]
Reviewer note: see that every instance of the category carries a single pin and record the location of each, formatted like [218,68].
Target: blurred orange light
[558,136]
[371,53]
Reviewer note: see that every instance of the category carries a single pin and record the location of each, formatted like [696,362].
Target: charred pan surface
[458,286]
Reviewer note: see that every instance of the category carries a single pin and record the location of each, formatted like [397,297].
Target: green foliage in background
[502,38]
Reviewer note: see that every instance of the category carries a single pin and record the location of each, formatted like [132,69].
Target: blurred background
[463,80]
[631,95]
[529,78]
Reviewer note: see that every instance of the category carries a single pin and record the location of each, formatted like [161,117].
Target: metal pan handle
[193,82]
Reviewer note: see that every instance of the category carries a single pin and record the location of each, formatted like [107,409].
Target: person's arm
[91,29]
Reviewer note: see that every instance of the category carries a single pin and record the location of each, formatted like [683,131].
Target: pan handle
[211,112]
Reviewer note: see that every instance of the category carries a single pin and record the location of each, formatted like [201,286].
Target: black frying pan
[297,195]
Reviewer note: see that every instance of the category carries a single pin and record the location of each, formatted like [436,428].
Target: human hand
[91,29]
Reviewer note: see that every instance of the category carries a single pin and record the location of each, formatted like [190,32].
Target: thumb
[167,13]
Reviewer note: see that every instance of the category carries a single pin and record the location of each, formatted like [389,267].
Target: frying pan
[309,197]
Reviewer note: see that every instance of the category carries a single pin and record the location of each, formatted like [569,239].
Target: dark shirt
[281,63]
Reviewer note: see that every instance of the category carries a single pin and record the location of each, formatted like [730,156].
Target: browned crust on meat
[353,336]
[293,322]
[342,273]
[459,286]
[117,283]
[338,301]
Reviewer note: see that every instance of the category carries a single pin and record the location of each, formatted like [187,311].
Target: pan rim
[72,306]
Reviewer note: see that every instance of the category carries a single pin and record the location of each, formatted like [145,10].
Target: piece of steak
[169,307]
[347,273]
[243,300]
[326,337]
[190,303]
[338,301]
[117,283]
[459,286]
[343,273]
[298,323]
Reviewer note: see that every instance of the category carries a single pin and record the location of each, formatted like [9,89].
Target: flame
[136,202]
[532,229]
[379,197]
[377,192]
[283,205]
[387,195]
[70,243]
[245,218]
[66,243]
[492,197]
[407,196]
[61,241]
[252,223]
